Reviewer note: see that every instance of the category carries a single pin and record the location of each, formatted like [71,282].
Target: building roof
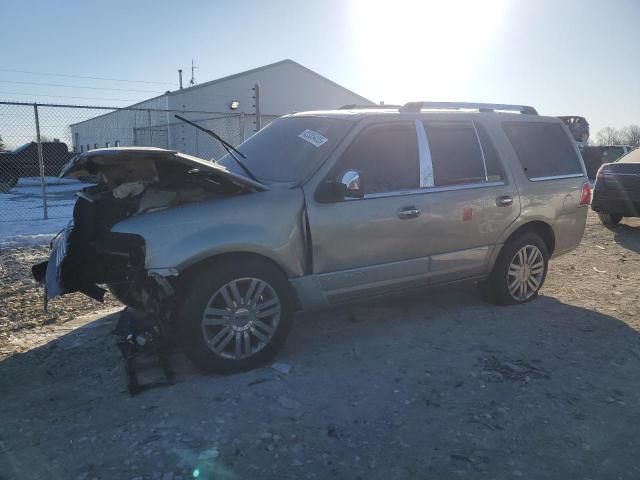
[230,77]
[266,67]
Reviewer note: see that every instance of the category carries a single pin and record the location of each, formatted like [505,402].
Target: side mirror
[348,185]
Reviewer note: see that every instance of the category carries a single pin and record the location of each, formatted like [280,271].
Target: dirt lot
[442,386]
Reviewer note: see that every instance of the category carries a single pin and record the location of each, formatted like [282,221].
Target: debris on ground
[284,368]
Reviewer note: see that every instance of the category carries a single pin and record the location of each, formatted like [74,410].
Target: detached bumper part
[57,280]
[78,265]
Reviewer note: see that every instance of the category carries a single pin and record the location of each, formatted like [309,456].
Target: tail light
[585,195]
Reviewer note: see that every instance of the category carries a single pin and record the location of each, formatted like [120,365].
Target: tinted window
[544,149]
[290,148]
[387,156]
[494,166]
[455,153]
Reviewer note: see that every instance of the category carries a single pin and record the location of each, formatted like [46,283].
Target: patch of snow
[21,213]
[26,240]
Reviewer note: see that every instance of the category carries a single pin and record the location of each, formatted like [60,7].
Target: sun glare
[423,50]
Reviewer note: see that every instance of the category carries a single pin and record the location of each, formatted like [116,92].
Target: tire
[507,272]
[124,295]
[609,219]
[260,310]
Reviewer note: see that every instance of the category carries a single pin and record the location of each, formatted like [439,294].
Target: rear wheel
[519,272]
[609,219]
[236,315]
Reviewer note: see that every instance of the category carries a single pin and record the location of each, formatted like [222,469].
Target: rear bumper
[625,203]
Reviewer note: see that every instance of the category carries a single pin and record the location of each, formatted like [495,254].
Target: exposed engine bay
[133,182]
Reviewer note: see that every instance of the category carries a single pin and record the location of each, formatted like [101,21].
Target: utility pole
[180,77]
[193,78]
[256,106]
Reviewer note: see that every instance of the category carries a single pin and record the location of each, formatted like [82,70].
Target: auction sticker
[314,138]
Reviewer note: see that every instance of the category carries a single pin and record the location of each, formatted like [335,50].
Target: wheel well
[541,228]
[237,256]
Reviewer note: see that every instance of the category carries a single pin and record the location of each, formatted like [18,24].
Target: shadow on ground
[440,386]
[628,236]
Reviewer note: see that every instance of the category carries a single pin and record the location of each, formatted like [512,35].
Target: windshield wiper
[227,146]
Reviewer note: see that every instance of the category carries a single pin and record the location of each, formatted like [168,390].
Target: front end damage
[87,255]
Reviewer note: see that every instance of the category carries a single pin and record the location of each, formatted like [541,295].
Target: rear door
[471,201]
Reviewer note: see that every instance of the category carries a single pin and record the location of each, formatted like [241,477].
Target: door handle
[504,201]
[408,212]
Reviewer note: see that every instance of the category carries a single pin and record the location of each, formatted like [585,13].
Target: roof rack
[481,107]
[354,106]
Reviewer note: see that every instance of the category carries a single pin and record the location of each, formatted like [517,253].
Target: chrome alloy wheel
[525,273]
[241,318]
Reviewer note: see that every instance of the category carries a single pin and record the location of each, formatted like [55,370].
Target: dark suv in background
[23,162]
[617,190]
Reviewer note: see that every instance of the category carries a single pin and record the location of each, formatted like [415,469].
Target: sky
[570,57]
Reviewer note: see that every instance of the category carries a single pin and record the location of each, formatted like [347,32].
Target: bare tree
[609,136]
[2,145]
[631,135]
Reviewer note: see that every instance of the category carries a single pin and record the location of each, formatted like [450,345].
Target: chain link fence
[37,140]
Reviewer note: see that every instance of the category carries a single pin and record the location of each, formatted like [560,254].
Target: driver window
[387,157]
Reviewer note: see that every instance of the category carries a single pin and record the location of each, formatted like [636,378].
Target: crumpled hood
[129,164]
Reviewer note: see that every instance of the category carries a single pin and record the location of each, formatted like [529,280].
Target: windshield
[289,149]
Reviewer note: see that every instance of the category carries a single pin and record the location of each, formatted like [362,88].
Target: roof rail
[481,107]
[354,106]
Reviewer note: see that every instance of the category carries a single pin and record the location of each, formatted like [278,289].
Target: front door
[374,244]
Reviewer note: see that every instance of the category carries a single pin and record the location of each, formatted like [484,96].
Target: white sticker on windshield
[314,138]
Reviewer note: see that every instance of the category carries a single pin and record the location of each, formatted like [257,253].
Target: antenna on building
[193,78]
[180,77]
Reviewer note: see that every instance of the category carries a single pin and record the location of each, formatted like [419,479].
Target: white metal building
[285,87]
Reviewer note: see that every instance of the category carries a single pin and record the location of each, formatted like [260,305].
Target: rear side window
[387,157]
[544,149]
[455,153]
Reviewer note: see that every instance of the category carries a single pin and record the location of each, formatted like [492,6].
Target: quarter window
[544,149]
[387,157]
[455,153]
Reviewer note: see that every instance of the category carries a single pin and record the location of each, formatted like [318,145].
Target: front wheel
[236,315]
[609,219]
[519,271]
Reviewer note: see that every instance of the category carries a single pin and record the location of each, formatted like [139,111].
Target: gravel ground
[21,301]
[435,386]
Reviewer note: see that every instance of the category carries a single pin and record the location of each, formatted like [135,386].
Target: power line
[84,76]
[77,86]
[65,96]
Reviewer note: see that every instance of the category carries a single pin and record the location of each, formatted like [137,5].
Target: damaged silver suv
[323,208]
